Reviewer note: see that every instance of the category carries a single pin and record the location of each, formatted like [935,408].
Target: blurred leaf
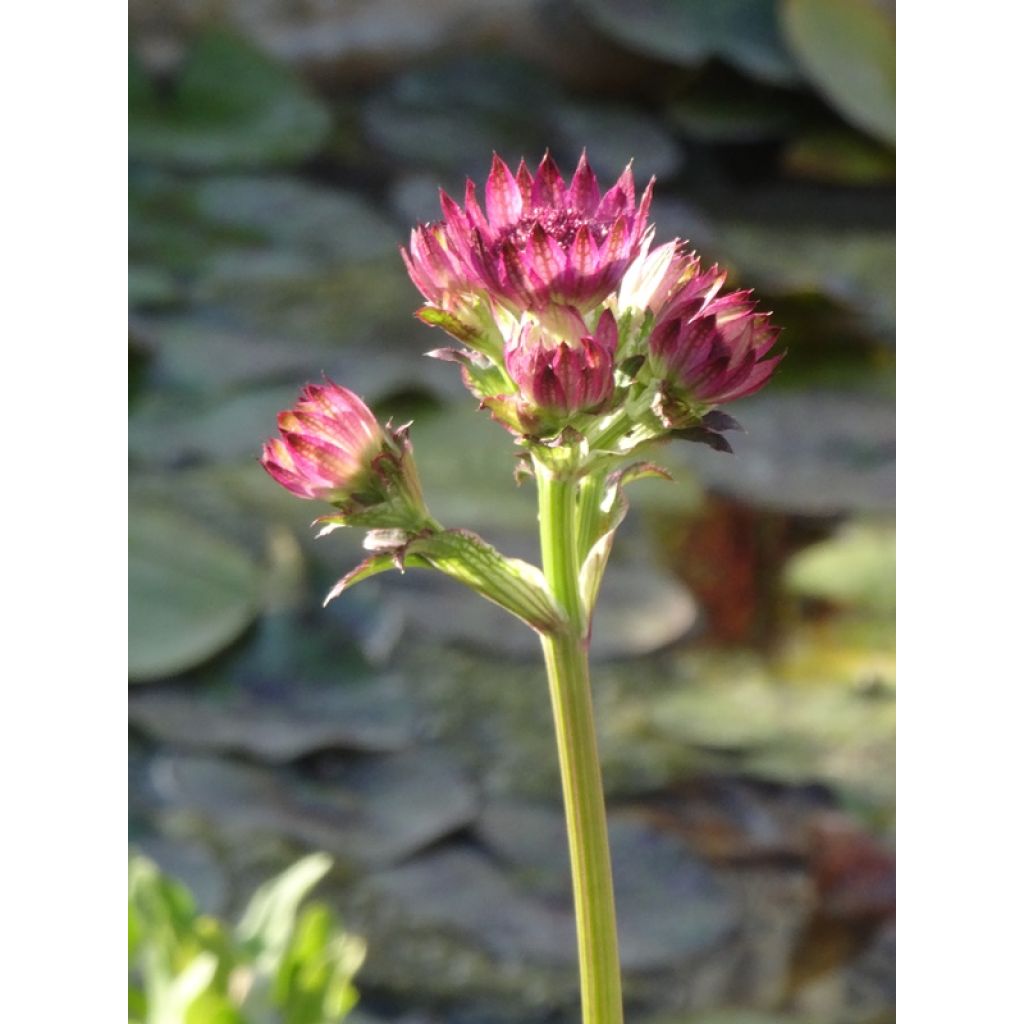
[853,266]
[190,592]
[283,966]
[165,430]
[848,49]
[231,106]
[314,980]
[151,288]
[453,115]
[371,811]
[612,137]
[287,723]
[743,32]
[327,225]
[735,115]
[269,919]
[840,158]
[857,567]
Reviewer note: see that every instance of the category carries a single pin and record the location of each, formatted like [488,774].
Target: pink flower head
[560,367]
[542,240]
[710,349]
[327,445]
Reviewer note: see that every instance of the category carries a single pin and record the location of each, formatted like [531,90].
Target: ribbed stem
[565,654]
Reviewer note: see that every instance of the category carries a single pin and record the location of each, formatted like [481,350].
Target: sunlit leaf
[848,49]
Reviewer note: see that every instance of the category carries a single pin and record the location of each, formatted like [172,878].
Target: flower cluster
[572,326]
[570,319]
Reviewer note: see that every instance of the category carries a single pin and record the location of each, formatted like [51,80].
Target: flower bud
[561,368]
[709,352]
[333,449]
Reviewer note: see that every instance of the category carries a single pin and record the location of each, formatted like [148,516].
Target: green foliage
[230,107]
[743,32]
[856,568]
[191,592]
[848,49]
[279,965]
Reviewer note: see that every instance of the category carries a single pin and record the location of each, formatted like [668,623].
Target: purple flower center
[559,224]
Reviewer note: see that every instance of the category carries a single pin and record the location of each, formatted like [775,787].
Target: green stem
[588,512]
[565,654]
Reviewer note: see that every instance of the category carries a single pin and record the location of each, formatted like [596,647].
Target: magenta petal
[607,333]
[524,179]
[474,214]
[584,193]
[504,201]
[548,187]
[585,253]
[287,478]
[547,258]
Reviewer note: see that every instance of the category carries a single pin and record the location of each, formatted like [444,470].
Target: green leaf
[190,592]
[743,32]
[848,49]
[231,107]
[269,919]
[857,568]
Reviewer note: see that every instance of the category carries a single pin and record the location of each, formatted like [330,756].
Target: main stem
[565,654]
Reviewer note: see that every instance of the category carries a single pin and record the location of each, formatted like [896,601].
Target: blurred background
[744,648]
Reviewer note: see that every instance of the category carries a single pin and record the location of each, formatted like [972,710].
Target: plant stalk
[566,657]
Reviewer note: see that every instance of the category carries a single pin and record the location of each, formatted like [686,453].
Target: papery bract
[541,240]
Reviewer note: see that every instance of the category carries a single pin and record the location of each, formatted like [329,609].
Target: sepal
[516,586]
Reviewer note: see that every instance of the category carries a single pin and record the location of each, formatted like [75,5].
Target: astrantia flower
[706,348]
[560,367]
[541,241]
[333,449]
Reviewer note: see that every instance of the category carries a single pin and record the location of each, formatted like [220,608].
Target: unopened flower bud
[560,367]
[333,449]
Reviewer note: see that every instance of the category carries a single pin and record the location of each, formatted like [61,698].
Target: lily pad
[371,811]
[453,115]
[230,107]
[151,288]
[373,717]
[190,592]
[459,890]
[671,907]
[165,431]
[855,267]
[856,568]
[742,717]
[612,137]
[846,463]
[329,226]
[848,49]
[743,32]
